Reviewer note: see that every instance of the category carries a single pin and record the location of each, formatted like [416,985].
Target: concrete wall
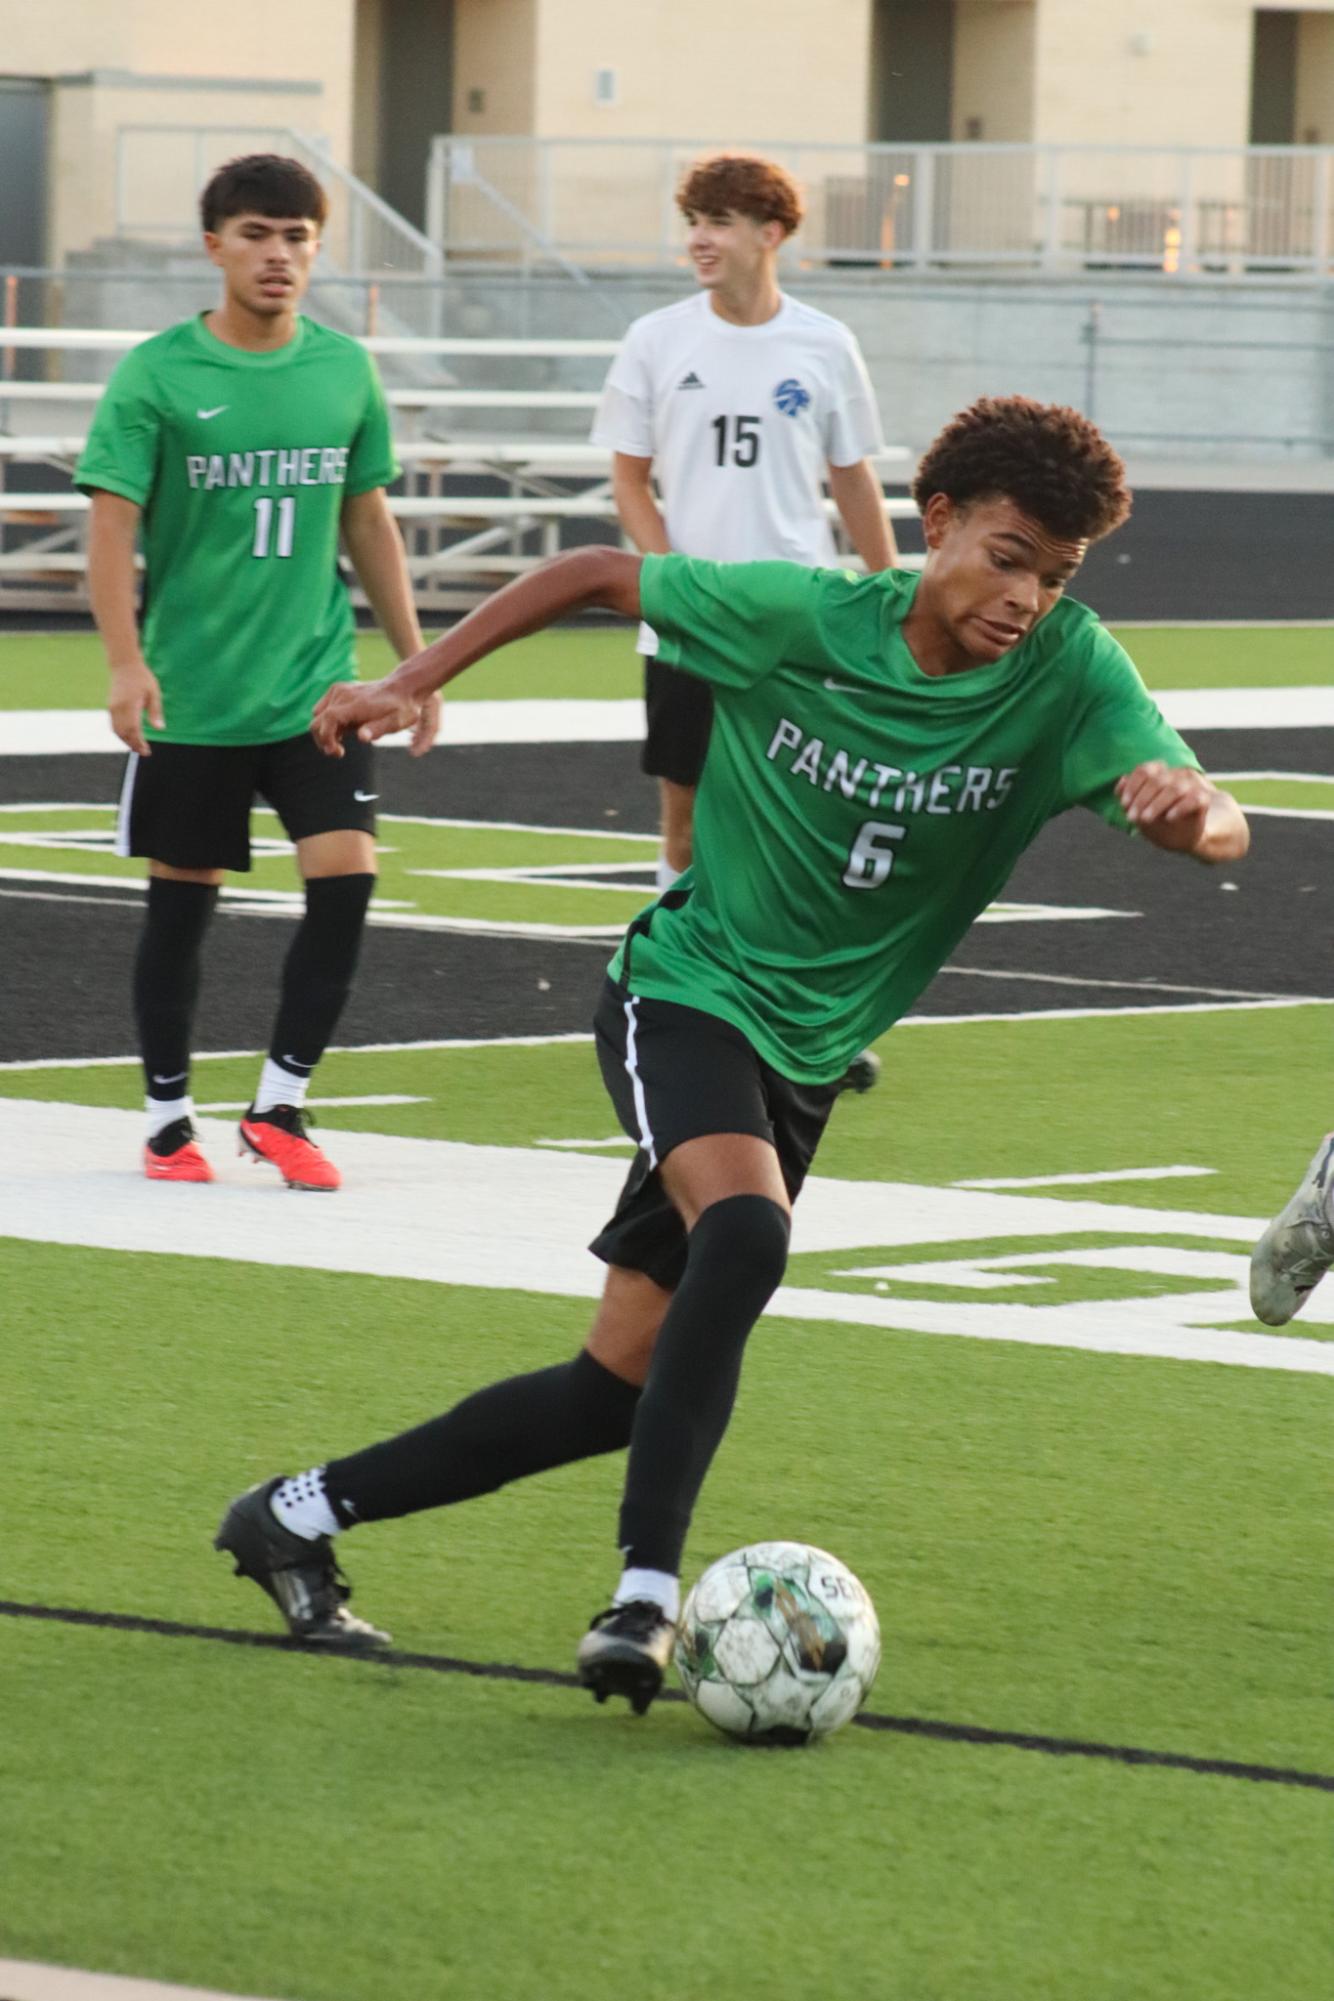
[1143,359]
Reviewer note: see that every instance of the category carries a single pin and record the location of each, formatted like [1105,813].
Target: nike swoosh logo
[179,1078]
[295,1063]
[204,415]
[841,687]
[364,798]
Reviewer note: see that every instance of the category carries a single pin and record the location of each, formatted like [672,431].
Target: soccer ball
[778,1644]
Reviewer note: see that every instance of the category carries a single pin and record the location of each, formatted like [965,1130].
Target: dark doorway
[23,123]
[912,71]
[416,96]
[1274,78]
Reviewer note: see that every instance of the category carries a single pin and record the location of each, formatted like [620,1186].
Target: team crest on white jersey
[792,397]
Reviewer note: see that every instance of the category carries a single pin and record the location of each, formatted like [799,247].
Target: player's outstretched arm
[380,561]
[601,577]
[1181,810]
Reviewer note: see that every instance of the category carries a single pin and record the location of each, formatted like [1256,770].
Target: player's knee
[750,1235]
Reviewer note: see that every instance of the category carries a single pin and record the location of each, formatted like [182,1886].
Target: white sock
[279,1087]
[302,1506]
[659,1586]
[666,874]
[164,1112]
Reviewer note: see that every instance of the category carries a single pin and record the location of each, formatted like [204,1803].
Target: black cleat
[862,1074]
[625,1652]
[302,1577]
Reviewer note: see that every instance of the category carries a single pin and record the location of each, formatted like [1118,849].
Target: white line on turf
[51,732]
[541,1041]
[1073,1180]
[517,1218]
[23,1980]
[324,1104]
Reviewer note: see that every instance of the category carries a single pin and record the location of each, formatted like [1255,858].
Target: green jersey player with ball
[884,750]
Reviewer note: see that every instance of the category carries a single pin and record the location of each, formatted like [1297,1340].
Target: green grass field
[1101,1547]
[1129,1549]
[66,671]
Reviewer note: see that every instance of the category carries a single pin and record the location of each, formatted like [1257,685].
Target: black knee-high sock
[166,979]
[737,1254]
[526,1424]
[317,973]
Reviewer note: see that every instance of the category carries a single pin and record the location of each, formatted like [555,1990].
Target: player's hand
[372,708]
[134,692]
[1168,804]
[427,726]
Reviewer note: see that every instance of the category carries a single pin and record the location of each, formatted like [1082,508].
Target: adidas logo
[690,381]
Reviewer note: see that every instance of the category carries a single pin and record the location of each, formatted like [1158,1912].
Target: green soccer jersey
[855,814]
[241,463]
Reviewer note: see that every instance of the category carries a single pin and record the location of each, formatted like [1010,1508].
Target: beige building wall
[995,42]
[1315,80]
[697,69]
[146,62]
[1143,73]
[495,57]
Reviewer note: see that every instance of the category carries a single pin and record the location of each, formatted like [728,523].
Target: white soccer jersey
[740,423]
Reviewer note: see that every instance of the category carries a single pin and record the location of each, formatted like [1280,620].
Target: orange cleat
[278,1135]
[172,1155]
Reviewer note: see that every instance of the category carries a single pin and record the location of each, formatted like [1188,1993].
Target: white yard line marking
[321,1104]
[541,1041]
[515,1218]
[586,1145]
[52,732]
[1078,1180]
[22,1980]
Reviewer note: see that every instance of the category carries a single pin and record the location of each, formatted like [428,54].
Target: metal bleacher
[477,506]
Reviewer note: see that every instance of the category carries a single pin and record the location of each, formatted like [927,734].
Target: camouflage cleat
[625,1652]
[300,1576]
[862,1074]
[1297,1249]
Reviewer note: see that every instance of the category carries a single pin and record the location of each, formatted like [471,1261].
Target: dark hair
[262,184]
[1049,460]
[744,182]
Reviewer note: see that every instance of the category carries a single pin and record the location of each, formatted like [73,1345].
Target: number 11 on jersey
[264,526]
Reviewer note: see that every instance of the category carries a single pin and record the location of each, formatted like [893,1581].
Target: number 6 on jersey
[872,855]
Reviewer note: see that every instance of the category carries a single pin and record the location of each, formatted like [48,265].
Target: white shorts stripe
[646,1139]
[123,810]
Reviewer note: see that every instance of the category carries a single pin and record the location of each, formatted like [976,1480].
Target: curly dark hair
[1049,460]
[262,184]
[744,182]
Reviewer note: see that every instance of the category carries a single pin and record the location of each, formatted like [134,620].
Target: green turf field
[1103,1547]
[66,671]
[1126,1549]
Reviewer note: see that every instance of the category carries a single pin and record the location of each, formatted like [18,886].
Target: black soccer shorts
[678,719]
[188,804]
[675,1073]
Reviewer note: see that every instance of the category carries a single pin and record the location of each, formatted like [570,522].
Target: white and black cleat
[302,1577]
[625,1652]
[1297,1249]
[862,1074]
